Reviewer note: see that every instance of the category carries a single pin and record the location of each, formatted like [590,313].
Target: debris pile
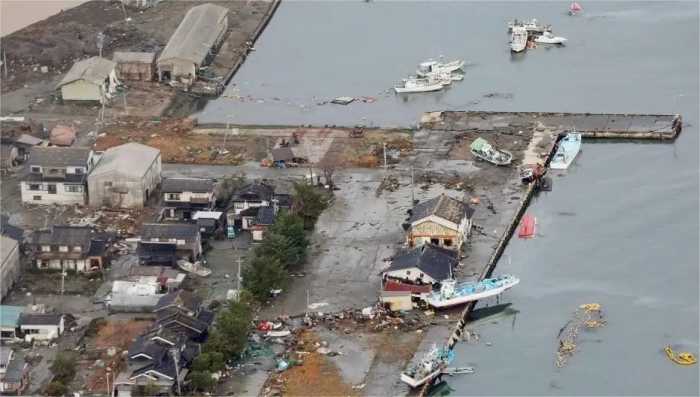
[390,183]
[587,316]
[123,222]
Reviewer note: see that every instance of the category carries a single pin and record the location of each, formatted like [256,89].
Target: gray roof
[181,231]
[444,207]
[134,57]
[254,192]
[94,70]
[179,298]
[28,140]
[40,319]
[282,154]
[430,259]
[59,156]
[7,245]
[64,235]
[195,185]
[196,34]
[266,216]
[131,159]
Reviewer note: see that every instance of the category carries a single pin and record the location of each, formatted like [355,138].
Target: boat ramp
[663,127]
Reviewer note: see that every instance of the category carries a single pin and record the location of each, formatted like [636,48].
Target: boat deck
[602,125]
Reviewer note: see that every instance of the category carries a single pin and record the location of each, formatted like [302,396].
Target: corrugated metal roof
[196,34]
[59,156]
[134,57]
[131,159]
[7,245]
[94,70]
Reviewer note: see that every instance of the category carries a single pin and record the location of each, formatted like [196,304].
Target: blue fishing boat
[568,149]
[452,293]
[429,367]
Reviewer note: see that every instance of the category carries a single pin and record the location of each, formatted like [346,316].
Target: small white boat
[414,84]
[452,294]
[429,67]
[195,268]
[483,150]
[549,38]
[568,149]
[432,365]
[518,39]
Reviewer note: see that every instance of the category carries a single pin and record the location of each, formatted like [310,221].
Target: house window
[173,196]
[447,242]
[238,205]
[34,187]
[79,171]
[63,248]
[36,198]
[108,184]
[77,248]
[36,169]
[45,248]
[434,241]
[52,189]
[74,188]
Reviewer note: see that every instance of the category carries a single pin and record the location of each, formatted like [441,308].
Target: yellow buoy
[683,358]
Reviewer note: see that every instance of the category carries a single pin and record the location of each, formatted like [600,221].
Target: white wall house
[92,79]
[56,175]
[41,327]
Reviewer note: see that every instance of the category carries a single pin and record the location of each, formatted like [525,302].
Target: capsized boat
[549,38]
[518,39]
[481,149]
[429,367]
[575,8]
[429,67]
[452,293]
[428,84]
[195,268]
[568,149]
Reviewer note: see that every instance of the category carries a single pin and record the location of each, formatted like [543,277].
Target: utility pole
[238,280]
[384,145]
[100,42]
[109,371]
[63,280]
[4,61]
[413,197]
[177,370]
[126,110]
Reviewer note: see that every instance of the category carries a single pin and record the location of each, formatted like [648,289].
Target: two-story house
[182,197]
[165,243]
[442,221]
[56,175]
[77,248]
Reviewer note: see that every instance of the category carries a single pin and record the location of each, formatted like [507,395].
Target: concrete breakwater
[665,127]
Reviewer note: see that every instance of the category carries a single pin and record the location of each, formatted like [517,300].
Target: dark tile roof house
[179,185]
[254,192]
[167,231]
[91,244]
[181,300]
[57,158]
[434,261]
[444,207]
[40,319]
[265,216]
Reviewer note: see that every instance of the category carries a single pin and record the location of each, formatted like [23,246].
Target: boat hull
[460,300]
[507,154]
[428,88]
[449,67]
[569,147]
[419,382]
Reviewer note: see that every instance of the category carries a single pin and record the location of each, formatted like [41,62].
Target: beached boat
[518,39]
[414,84]
[430,67]
[575,8]
[568,149]
[549,38]
[527,227]
[430,366]
[195,268]
[481,149]
[452,293]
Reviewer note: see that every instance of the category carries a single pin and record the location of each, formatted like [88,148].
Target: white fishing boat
[429,67]
[414,84]
[549,38]
[483,150]
[195,268]
[531,26]
[518,39]
[452,293]
[568,149]
[432,365]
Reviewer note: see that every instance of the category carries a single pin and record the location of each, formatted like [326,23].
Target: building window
[34,187]
[408,272]
[30,331]
[77,248]
[74,188]
[63,248]
[45,248]
[36,169]
[238,205]
[173,196]
[434,241]
[447,242]
[36,198]
[79,171]
[108,184]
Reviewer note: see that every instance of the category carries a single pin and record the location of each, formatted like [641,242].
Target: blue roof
[9,315]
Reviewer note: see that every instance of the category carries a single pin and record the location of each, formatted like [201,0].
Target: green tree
[212,361]
[308,202]
[263,274]
[63,367]
[280,248]
[202,381]
[292,227]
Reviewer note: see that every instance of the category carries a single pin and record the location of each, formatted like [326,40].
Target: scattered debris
[343,100]
[587,316]
[683,358]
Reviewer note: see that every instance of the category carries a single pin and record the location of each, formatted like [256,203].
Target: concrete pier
[611,126]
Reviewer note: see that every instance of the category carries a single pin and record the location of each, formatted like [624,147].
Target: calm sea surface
[619,229]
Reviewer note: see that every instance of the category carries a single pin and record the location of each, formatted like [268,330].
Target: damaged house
[427,264]
[194,42]
[138,66]
[182,197]
[77,248]
[92,79]
[163,244]
[56,175]
[442,221]
[125,176]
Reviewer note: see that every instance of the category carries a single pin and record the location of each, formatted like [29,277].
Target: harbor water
[620,227]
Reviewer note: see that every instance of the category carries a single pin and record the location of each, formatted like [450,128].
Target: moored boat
[518,39]
[568,149]
[481,149]
[452,293]
[429,67]
[414,84]
[430,366]
[549,38]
